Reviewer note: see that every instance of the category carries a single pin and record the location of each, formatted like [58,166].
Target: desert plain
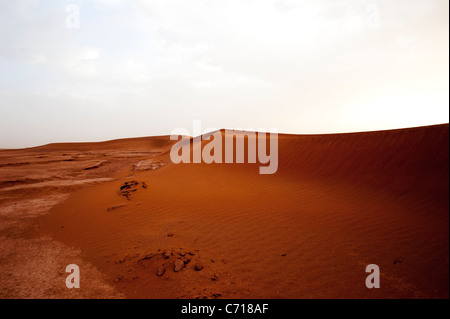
[140,226]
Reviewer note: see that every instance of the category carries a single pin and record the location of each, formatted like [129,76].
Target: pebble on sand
[199,266]
[179,265]
[161,271]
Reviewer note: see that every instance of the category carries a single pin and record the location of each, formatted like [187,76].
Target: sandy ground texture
[140,226]
[32,181]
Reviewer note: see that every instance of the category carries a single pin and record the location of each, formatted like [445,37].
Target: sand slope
[337,203]
[32,181]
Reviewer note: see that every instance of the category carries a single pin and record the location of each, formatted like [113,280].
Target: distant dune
[337,203]
[142,143]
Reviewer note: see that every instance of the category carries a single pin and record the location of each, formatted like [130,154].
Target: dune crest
[337,203]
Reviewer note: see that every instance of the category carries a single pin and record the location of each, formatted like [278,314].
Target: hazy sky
[80,70]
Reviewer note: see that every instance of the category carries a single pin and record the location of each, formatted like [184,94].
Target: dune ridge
[337,203]
[141,226]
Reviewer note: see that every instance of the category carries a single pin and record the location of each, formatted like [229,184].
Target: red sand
[336,204]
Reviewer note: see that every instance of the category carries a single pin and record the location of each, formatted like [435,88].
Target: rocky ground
[32,265]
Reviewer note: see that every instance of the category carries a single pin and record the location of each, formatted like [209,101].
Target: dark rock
[127,188]
[114,207]
[199,266]
[179,265]
[161,271]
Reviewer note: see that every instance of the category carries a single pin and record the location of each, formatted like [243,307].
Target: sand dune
[153,143]
[337,203]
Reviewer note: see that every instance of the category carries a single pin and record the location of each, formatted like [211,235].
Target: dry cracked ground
[33,265]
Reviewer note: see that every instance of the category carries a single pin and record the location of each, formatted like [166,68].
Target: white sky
[142,68]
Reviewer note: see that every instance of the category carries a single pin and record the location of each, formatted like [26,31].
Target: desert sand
[140,226]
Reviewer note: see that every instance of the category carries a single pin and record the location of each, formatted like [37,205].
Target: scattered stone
[199,266]
[179,265]
[149,256]
[148,164]
[283,255]
[161,271]
[169,235]
[114,207]
[98,165]
[214,277]
[166,254]
[144,185]
[91,167]
[398,260]
[128,188]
